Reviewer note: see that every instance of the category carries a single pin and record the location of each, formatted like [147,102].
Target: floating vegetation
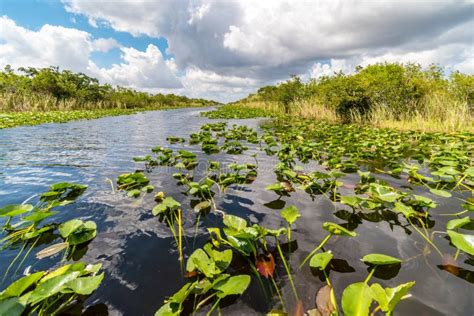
[13,119]
[50,292]
[134,183]
[439,165]
[237,112]
[47,292]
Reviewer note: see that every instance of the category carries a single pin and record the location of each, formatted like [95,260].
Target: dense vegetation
[13,119]
[387,94]
[341,150]
[50,89]
[369,175]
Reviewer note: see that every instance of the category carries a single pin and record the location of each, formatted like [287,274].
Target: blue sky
[226,49]
[33,14]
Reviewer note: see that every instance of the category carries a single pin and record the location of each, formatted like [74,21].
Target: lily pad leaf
[168,204]
[458,223]
[234,285]
[356,299]
[200,261]
[67,228]
[321,260]
[11,307]
[380,259]
[169,309]
[235,222]
[19,286]
[441,193]
[406,210]
[51,287]
[133,193]
[463,242]
[290,214]
[16,209]
[83,234]
[389,298]
[85,285]
[336,229]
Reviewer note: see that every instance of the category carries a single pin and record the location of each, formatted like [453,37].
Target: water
[137,252]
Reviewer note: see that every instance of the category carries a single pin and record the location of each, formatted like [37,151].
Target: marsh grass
[30,102]
[435,113]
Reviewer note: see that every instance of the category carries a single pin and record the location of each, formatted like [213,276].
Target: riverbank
[452,120]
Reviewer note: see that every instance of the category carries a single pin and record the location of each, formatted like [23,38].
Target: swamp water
[139,257]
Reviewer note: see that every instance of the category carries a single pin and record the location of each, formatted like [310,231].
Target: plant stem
[13,262]
[204,301]
[278,293]
[333,296]
[323,242]
[370,275]
[26,255]
[425,238]
[213,307]
[456,255]
[180,236]
[286,268]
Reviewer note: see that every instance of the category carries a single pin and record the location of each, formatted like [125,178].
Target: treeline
[30,89]
[400,89]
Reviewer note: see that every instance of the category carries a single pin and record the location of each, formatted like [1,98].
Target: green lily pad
[458,223]
[380,259]
[336,229]
[234,285]
[356,299]
[463,242]
[290,214]
[321,260]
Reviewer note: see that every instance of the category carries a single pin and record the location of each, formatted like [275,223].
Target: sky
[224,50]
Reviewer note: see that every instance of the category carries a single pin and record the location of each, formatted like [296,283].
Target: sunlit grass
[437,113]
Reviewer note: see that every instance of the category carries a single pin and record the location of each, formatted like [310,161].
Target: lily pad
[321,260]
[336,229]
[380,259]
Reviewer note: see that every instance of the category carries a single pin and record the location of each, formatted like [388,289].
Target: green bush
[400,87]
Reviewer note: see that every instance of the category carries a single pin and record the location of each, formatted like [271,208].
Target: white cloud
[271,37]
[452,57]
[327,69]
[70,48]
[104,44]
[50,45]
[208,84]
[141,70]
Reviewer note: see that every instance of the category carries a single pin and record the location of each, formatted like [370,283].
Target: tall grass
[22,102]
[43,102]
[437,112]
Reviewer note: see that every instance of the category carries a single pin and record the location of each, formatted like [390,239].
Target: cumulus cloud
[70,48]
[50,45]
[268,39]
[211,85]
[104,44]
[141,70]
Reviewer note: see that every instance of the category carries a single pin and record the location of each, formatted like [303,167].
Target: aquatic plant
[207,265]
[24,225]
[438,165]
[50,292]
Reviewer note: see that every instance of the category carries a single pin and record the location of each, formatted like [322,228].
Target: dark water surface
[137,252]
